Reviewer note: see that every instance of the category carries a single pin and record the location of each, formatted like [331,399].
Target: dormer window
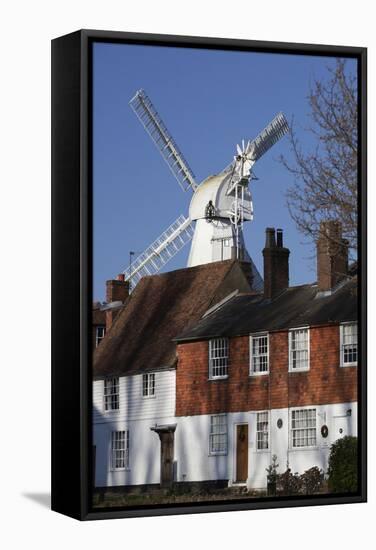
[218,358]
[100,331]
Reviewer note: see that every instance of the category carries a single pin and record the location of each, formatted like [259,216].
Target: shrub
[343,465]
[289,483]
[312,480]
[309,483]
[272,476]
[272,469]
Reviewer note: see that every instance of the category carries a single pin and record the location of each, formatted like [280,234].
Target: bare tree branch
[326,178]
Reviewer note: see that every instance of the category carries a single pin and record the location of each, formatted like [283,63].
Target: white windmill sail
[160,251]
[274,131]
[255,149]
[153,124]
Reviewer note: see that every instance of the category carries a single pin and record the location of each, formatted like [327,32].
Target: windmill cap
[214,189]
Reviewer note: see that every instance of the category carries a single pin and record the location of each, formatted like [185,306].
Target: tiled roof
[294,307]
[160,308]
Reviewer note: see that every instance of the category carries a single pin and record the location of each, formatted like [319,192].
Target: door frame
[160,431]
[235,448]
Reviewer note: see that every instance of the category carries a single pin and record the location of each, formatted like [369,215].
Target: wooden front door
[241,453]
[167,458]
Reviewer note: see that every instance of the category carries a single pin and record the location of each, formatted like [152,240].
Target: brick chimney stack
[117,290]
[276,263]
[332,255]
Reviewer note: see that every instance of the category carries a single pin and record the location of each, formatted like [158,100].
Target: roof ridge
[219,304]
[193,267]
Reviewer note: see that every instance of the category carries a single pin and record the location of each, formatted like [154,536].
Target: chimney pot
[279,238]
[120,277]
[270,237]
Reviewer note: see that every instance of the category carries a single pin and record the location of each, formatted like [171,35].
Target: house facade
[288,392]
[215,378]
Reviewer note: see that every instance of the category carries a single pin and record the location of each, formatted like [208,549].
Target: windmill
[220,204]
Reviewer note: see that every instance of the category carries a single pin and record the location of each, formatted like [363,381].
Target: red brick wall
[325,382]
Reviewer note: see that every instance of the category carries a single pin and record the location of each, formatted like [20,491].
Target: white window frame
[216,345]
[267,432]
[342,345]
[219,433]
[301,369]
[115,381]
[292,429]
[253,337]
[98,339]
[148,384]
[123,446]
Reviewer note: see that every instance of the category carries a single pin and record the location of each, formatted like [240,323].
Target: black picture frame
[72,467]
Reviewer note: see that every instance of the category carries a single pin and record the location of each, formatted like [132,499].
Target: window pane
[145,384]
[99,334]
[260,353]
[111,394]
[299,349]
[119,449]
[218,357]
[303,425]
[350,343]
[218,434]
[262,433]
[148,384]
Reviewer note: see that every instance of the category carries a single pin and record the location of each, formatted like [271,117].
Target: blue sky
[209,101]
